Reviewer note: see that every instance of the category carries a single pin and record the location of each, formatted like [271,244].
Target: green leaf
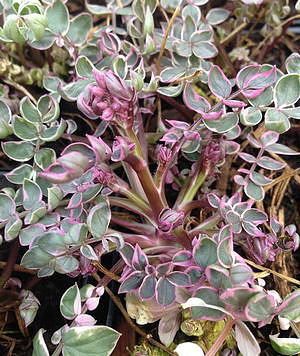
[66,264]
[53,243]
[70,303]
[72,90]
[88,252]
[13,29]
[276,121]
[226,123]
[39,345]
[89,340]
[12,228]
[292,63]
[36,213]
[53,133]
[84,67]
[36,258]
[205,253]
[285,346]
[254,191]
[7,207]
[48,106]
[29,233]
[99,218]
[171,91]
[18,174]
[250,116]
[217,15]
[55,195]
[5,112]
[45,157]
[24,129]
[287,90]
[80,27]
[205,50]
[37,23]
[45,42]
[58,17]
[18,151]
[31,194]
[29,111]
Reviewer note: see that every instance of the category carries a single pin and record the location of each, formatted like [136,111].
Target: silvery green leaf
[99,218]
[250,116]
[45,42]
[292,63]
[37,211]
[277,121]
[254,191]
[7,207]
[31,194]
[170,74]
[12,228]
[218,83]
[287,90]
[39,345]
[13,30]
[285,346]
[83,340]
[205,50]
[171,91]
[55,195]
[66,264]
[36,258]
[84,67]
[217,15]
[224,124]
[29,111]
[88,252]
[5,112]
[193,11]
[29,233]
[58,17]
[263,99]
[45,157]
[79,29]
[28,307]
[71,91]
[18,174]
[54,132]
[120,66]
[18,150]
[49,108]
[70,303]
[37,23]
[183,48]
[24,129]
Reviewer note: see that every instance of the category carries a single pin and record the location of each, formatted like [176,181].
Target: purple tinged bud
[102,105]
[97,91]
[164,155]
[117,86]
[107,114]
[100,78]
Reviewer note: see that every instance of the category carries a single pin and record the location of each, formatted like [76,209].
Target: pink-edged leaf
[281,149]
[168,326]
[240,273]
[147,288]
[263,79]
[179,279]
[254,216]
[234,220]
[254,191]
[253,141]
[234,103]
[75,201]
[85,320]
[269,137]
[182,258]
[213,115]
[290,307]
[139,259]
[195,273]
[247,157]
[231,147]
[225,233]
[218,83]
[218,277]
[235,199]
[211,297]
[164,268]
[213,200]
[261,307]
[251,229]
[205,252]
[252,93]
[178,124]
[225,252]
[127,254]
[194,101]
[132,282]
[171,136]
[259,179]
[236,299]
[165,292]
[246,342]
[92,303]
[238,179]
[270,163]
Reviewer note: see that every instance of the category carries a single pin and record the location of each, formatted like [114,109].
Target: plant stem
[208,224]
[7,271]
[138,148]
[221,338]
[145,177]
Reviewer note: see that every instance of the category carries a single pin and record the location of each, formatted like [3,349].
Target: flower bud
[136,80]
[150,46]
[149,22]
